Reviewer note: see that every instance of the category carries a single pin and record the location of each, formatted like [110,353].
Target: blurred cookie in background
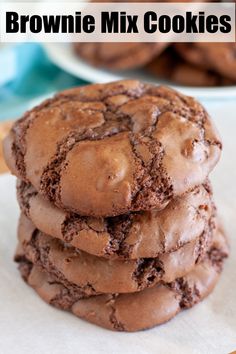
[219,57]
[170,66]
[118,56]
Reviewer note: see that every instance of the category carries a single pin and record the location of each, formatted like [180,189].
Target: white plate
[63,56]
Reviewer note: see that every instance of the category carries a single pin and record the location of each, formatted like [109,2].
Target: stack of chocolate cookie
[118,223]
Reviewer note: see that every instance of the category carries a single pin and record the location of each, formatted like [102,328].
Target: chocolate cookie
[117,56]
[133,235]
[105,150]
[220,57]
[108,276]
[132,312]
[171,66]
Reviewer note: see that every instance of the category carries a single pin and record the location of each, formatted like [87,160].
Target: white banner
[117,22]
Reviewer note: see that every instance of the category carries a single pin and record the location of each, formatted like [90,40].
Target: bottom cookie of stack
[133,311]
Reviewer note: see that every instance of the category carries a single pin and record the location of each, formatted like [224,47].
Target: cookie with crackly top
[108,149]
[134,311]
[94,275]
[134,235]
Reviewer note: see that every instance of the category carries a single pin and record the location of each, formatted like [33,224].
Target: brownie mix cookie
[118,56]
[108,276]
[133,235]
[131,312]
[105,150]
[220,57]
[171,66]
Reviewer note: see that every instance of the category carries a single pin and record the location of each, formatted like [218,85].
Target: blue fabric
[27,74]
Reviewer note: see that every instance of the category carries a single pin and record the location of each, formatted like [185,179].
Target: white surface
[63,56]
[29,326]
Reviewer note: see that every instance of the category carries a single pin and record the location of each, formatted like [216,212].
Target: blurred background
[26,75]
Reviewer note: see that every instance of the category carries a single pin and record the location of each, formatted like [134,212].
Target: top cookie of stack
[105,150]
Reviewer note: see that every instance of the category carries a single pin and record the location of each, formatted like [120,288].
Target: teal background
[26,74]
[27,77]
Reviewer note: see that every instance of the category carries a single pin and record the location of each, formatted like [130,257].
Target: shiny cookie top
[105,150]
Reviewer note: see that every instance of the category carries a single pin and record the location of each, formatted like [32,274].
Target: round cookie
[132,312]
[170,66]
[75,292]
[113,148]
[133,235]
[108,276]
[219,57]
[117,56]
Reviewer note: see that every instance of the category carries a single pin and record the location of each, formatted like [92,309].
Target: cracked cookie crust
[135,311]
[105,150]
[130,236]
[94,274]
